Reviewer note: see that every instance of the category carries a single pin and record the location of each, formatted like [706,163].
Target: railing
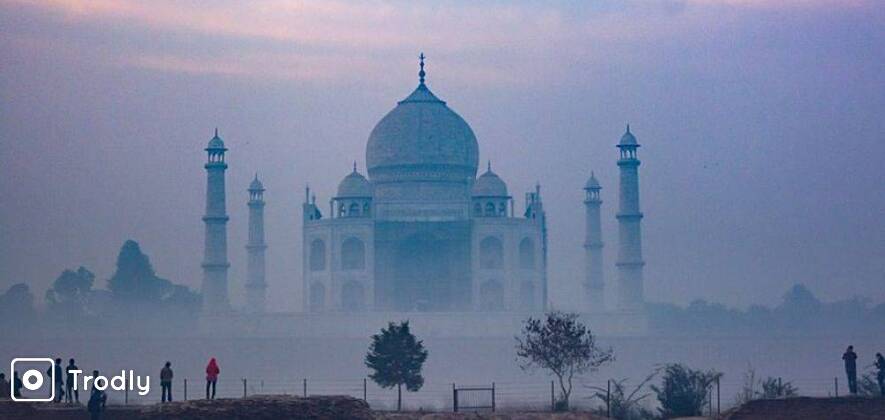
[434,396]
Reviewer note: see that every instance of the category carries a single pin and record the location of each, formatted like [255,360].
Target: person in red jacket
[212,372]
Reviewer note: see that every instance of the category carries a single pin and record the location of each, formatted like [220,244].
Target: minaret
[215,263]
[630,294]
[594,286]
[255,284]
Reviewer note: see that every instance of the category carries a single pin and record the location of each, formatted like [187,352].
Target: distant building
[423,232]
[215,264]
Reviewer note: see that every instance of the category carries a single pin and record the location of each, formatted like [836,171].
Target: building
[215,264]
[422,232]
[256,286]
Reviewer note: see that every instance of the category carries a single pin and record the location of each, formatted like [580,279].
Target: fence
[435,396]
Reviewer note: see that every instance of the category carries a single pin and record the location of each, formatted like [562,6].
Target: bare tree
[562,345]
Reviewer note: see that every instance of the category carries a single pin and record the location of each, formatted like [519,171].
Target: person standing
[880,375]
[212,372]
[850,358]
[59,379]
[72,394]
[166,382]
[16,385]
[97,401]
[4,385]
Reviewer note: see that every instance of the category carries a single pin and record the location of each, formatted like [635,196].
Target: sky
[761,127]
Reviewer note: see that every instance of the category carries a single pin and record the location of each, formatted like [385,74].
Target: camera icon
[33,378]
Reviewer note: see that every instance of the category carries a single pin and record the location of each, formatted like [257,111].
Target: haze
[760,123]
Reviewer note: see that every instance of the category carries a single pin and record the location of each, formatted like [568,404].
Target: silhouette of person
[880,376]
[97,401]
[850,358]
[16,385]
[4,385]
[72,393]
[166,382]
[59,379]
[212,372]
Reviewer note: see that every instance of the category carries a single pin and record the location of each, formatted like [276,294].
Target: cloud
[325,40]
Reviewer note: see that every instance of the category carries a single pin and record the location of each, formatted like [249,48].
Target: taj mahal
[423,235]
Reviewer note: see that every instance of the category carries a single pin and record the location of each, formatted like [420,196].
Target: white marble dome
[489,184]
[354,185]
[422,139]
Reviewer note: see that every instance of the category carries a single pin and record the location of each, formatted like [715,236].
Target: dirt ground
[806,408]
[261,407]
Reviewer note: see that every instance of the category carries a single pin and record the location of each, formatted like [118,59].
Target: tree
[70,293]
[562,345]
[684,392]
[135,280]
[396,357]
[17,306]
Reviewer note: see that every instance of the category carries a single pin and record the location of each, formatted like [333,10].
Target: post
[365,389]
[305,387]
[454,398]
[836,382]
[779,385]
[126,396]
[710,400]
[185,389]
[608,398]
[262,385]
[244,387]
[552,397]
[493,397]
[718,400]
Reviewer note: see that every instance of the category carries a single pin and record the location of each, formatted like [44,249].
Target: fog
[760,125]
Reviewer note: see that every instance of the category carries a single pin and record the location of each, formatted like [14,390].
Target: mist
[761,179]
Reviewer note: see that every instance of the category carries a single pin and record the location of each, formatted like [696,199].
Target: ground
[807,408]
[261,407]
[290,407]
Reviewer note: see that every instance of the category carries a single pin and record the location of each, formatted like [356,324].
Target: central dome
[422,139]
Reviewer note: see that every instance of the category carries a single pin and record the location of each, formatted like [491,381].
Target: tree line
[75,302]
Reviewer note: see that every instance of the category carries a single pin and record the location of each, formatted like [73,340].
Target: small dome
[489,184]
[216,142]
[256,185]
[354,185]
[592,183]
[628,139]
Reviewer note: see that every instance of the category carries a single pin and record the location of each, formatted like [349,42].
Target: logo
[33,378]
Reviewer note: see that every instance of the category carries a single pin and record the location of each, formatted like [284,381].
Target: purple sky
[761,124]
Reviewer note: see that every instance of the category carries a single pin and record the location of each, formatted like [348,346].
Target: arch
[491,253]
[317,297]
[477,209]
[491,296]
[353,210]
[490,209]
[353,254]
[352,297]
[527,254]
[317,255]
[367,209]
[527,296]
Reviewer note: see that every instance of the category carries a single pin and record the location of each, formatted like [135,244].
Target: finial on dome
[256,175]
[354,166]
[628,127]
[216,131]
[421,73]
[489,168]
